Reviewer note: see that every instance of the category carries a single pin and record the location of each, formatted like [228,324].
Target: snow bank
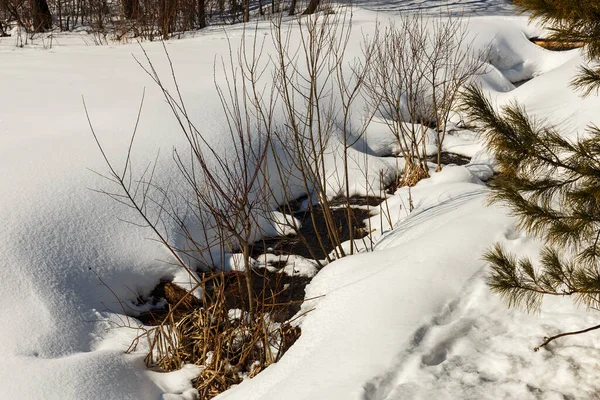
[63,244]
[380,299]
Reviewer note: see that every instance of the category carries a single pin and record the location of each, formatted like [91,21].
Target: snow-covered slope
[57,233]
[411,320]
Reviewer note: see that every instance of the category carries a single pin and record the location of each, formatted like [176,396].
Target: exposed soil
[278,294]
[356,201]
[173,295]
[448,158]
[521,83]
[306,242]
[275,293]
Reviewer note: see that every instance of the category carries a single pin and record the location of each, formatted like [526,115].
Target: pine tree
[550,183]
[568,20]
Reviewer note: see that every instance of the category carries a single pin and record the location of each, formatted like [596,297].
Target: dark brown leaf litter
[278,294]
[448,158]
[306,243]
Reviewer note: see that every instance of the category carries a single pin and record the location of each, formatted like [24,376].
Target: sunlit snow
[411,320]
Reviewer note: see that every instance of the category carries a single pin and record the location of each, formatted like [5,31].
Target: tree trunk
[234,10]
[246,10]
[312,7]
[131,8]
[42,19]
[59,16]
[201,14]
[293,7]
[167,9]
[2,32]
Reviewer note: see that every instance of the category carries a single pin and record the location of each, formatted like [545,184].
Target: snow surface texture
[410,320]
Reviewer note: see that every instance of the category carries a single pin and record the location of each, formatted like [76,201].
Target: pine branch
[521,286]
[549,182]
[569,20]
[588,80]
[554,11]
[512,280]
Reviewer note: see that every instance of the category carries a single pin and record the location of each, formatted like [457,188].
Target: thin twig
[550,339]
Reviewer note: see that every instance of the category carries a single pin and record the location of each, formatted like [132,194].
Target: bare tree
[42,19]
[450,65]
[131,9]
[2,31]
[311,8]
[202,14]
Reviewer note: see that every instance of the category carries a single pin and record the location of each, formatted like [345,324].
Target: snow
[412,319]
[57,233]
[295,265]
[358,286]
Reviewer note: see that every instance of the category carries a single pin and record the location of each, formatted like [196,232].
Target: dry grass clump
[228,347]
[413,174]
[556,45]
[230,344]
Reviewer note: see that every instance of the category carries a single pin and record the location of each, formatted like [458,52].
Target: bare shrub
[287,116]
[318,87]
[419,66]
[209,332]
[121,20]
[219,218]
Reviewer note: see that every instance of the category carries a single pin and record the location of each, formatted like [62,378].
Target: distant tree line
[146,19]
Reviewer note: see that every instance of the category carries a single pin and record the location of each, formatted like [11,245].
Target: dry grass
[556,45]
[218,332]
[412,174]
